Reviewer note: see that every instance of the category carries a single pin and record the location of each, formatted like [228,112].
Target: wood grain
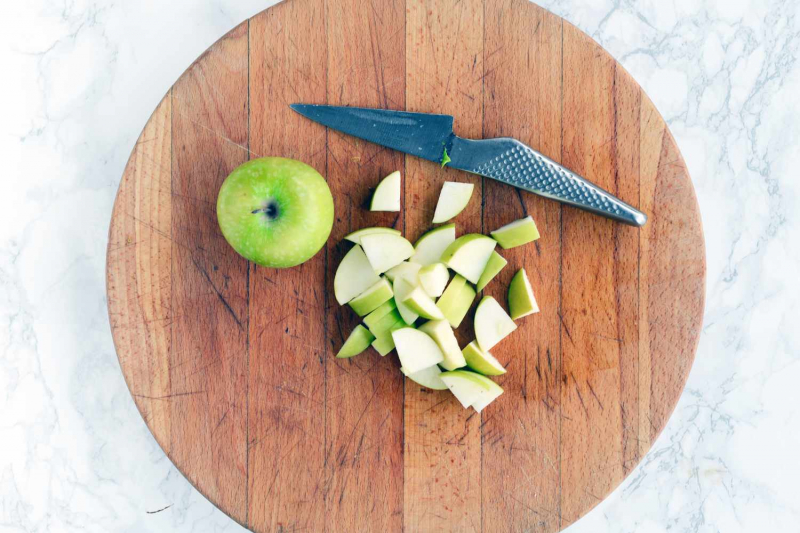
[232,366]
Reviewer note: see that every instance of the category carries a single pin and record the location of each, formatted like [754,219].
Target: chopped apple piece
[521,301]
[469,254]
[422,304]
[431,246]
[358,341]
[456,300]
[427,377]
[372,298]
[492,324]
[387,194]
[356,235]
[406,270]
[517,233]
[434,278]
[495,391]
[379,313]
[416,350]
[441,332]
[402,289]
[384,342]
[385,251]
[481,361]
[452,200]
[496,263]
[468,387]
[385,324]
[354,275]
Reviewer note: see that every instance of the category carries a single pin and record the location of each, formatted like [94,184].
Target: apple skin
[275,212]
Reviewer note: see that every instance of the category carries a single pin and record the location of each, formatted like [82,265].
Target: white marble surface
[81,76]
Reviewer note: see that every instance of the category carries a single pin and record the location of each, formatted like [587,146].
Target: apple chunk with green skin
[441,332]
[496,263]
[517,233]
[431,246]
[386,251]
[358,341]
[404,270]
[276,212]
[456,300]
[384,342]
[492,324]
[422,304]
[402,289]
[469,254]
[434,278]
[416,350]
[481,361]
[387,194]
[379,313]
[356,235]
[354,276]
[471,389]
[372,298]
[453,199]
[521,301]
[427,377]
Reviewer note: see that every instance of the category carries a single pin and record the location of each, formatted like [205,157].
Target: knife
[431,137]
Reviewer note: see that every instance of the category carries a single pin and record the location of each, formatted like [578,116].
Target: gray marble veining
[76,456]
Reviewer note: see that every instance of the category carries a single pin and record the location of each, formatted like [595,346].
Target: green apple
[402,289]
[276,212]
[441,332]
[496,263]
[385,251]
[384,342]
[358,341]
[427,377]
[356,235]
[495,391]
[468,255]
[406,270]
[521,301]
[387,194]
[416,350]
[434,278]
[517,233]
[382,310]
[492,324]
[420,303]
[385,324]
[372,298]
[452,200]
[429,247]
[468,387]
[456,300]
[354,275]
[481,361]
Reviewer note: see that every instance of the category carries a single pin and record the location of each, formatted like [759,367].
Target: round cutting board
[232,365]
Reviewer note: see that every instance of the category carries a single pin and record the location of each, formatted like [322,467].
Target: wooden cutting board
[232,366]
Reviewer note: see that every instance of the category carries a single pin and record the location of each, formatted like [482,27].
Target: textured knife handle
[523,167]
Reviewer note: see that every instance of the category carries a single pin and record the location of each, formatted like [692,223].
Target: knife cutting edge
[431,137]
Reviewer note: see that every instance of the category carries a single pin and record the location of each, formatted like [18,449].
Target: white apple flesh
[404,270]
[468,255]
[386,251]
[453,199]
[356,235]
[419,302]
[434,278]
[441,332]
[466,386]
[387,194]
[402,289]
[416,350]
[427,377]
[354,275]
[492,324]
[430,247]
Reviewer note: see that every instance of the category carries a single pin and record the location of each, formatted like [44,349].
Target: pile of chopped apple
[409,302]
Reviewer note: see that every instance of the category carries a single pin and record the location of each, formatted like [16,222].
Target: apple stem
[270,210]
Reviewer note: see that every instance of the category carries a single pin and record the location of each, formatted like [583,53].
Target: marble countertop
[82,76]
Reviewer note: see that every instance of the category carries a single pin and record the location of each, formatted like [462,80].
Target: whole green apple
[276,212]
